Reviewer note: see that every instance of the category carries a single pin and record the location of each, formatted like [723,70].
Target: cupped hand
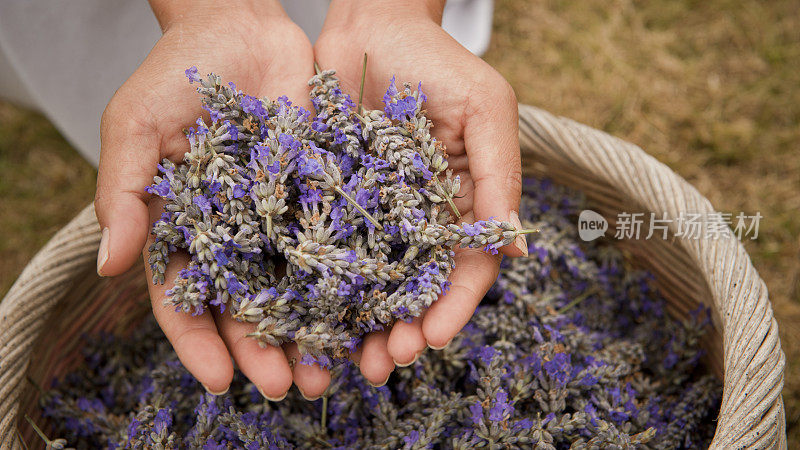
[474,111]
[265,54]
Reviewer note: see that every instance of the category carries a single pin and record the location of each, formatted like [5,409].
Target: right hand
[257,46]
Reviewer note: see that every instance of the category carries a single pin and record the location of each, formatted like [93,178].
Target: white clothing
[66,58]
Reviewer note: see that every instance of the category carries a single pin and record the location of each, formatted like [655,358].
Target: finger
[128,159]
[474,273]
[376,363]
[311,379]
[266,367]
[195,338]
[356,356]
[491,138]
[406,342]
[290,78]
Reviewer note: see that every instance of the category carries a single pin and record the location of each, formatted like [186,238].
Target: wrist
[344,12]
[172,12]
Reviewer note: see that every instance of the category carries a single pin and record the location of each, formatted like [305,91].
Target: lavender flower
[355,204]
[528,371]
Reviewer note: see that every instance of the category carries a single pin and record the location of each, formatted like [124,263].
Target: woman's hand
[474,112]
[257,46]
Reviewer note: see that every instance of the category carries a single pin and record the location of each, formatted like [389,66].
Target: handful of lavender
[355,203]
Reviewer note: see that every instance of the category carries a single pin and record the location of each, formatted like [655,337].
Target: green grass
[711,88]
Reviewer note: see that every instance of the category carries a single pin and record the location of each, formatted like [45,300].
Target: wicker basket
[59,296]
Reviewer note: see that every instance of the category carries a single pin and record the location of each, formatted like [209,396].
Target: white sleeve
[66,58]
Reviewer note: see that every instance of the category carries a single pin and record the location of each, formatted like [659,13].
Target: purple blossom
[346,164]
[501,407]
[421,167]
[411,438]
[491,249]
[215,115]
[203,203]
[161,189]
[398,106]
[402,109]
[319,125]
[187,233]
[311,196]
[375,163]
[288,142]
[192,74]
[234,285]
[133,427]
[214,187]
[232,130]
[201,127]
[391,91]
[239,191]
[524,424]
[309,166]
[472,229]
[254,106]
[477,413]
[162,421]
[221,257]
[591,411]
[338,136]
[350,256]
[559,368]
[365,198]
[487,354]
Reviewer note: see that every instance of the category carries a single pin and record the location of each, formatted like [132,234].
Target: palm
[143,124]
[164,102]
[460,88]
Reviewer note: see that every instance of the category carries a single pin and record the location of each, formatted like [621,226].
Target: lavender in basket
[571,348]
[356,205]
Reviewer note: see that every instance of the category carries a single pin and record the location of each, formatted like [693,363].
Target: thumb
[491,138]
[128,159]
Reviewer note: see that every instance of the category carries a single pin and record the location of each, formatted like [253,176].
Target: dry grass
[43,184]
[711,88]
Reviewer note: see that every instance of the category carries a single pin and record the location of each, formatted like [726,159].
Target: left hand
[142,124]
[474,111]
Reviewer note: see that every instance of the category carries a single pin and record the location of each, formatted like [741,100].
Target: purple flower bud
[203,203]
[192,74]
[477,413]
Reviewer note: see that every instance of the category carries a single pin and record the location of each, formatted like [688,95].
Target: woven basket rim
[751,414]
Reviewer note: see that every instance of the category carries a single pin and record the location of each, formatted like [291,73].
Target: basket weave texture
[59,286]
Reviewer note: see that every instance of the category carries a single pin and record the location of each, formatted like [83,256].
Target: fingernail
[416,357]
[270,398]
[442,347]
[381,384]
[216,393]
[521,243]
[102,253]
[310,399]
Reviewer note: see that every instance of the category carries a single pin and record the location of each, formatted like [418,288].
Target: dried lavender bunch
[566,350]
[356,205]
